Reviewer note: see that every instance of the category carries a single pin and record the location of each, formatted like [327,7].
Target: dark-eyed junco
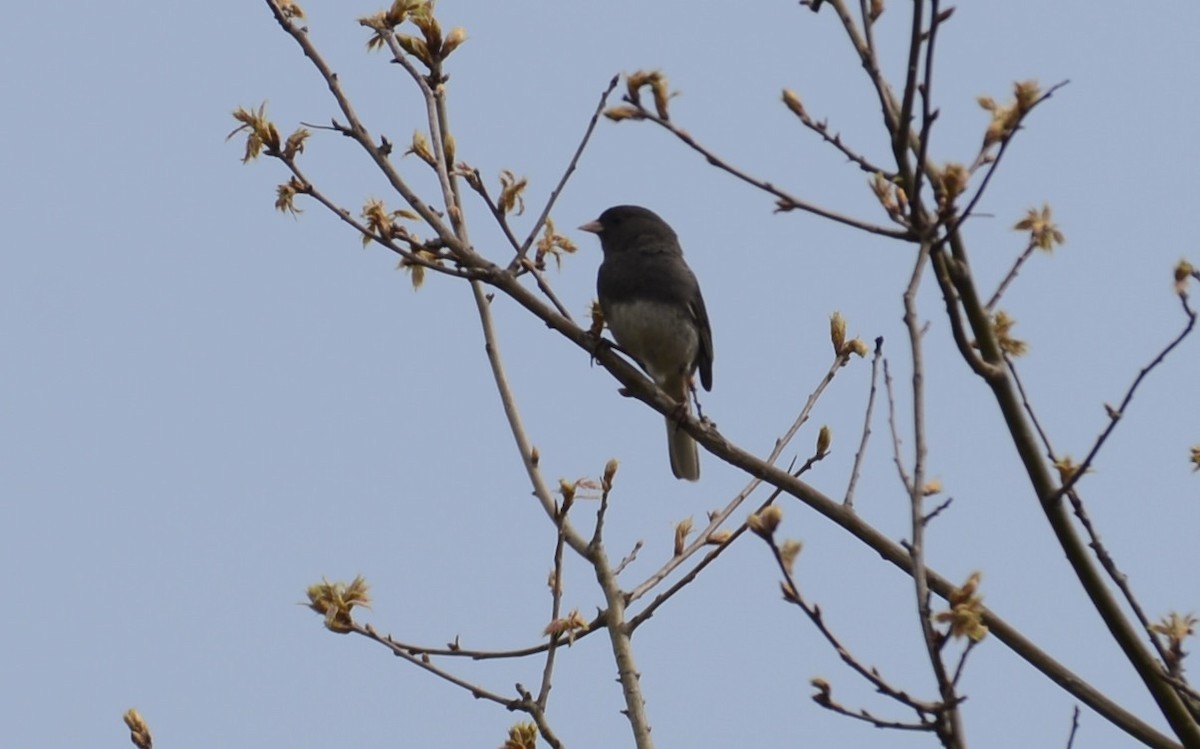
[652,304]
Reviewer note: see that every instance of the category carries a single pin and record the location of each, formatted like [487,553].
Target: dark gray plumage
[652,304]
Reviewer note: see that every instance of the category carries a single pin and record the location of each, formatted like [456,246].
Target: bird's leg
[695,394]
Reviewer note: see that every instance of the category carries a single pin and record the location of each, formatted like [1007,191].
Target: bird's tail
[685,453]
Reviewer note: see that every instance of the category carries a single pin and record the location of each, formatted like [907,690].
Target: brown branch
[943,271]
[948,723]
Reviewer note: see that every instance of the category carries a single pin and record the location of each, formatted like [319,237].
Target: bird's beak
[593,226]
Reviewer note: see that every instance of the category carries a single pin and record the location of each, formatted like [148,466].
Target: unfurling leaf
[1176,628]
[764,522]
[568,625]
[432,31]
[290,9]
[623,112]
[285,196]
[682,530]
[554,244]
[858,346]
[824,695]
[789,551]
[1043,232]
[1067,468]
[512,192]
[657,82]
[139,730]
[954,178]
[567,490]
[420,149]
[454,39]
[260,132]
[965,615]
[336,600]
[610,471]
[597,316]
[719,537]
[792,100]
[521,736]
[415,47]
[1002,325]
[824,438]
[295,143]
[1006,117]
[837,332]
[1184,271]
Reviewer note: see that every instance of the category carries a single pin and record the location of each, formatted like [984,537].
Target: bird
[651,302]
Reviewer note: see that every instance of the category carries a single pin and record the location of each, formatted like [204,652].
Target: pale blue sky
[206,406]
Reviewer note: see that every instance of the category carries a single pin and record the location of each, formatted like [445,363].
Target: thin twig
[866,55]
[1028,406]
[562,181]
[544,285]
[856,470]
[896,453]
[928,115]
[1011,275]
[477,183]
[1074,727]
[1120,579]
[629,558]
[1115,415]
[422,661]
[785,201]
[862,162]
[556,593]
[961,668]
[900,134]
